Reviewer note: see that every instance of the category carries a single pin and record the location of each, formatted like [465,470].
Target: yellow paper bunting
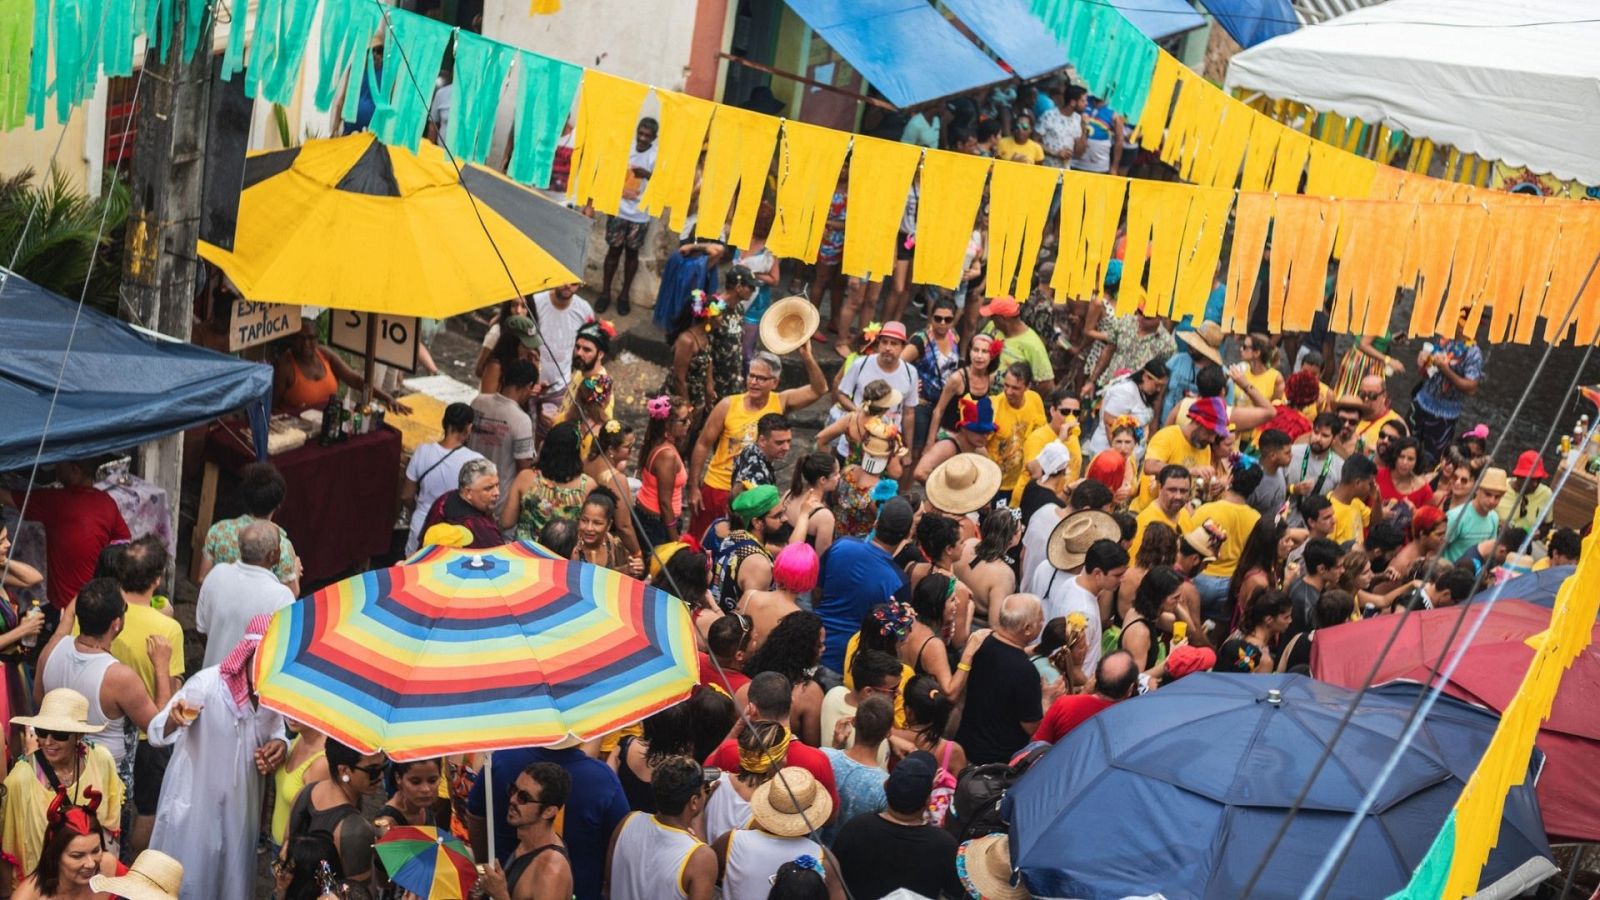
[809,161]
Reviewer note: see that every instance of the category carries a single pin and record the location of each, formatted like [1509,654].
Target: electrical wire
[617,475]
[1413,722]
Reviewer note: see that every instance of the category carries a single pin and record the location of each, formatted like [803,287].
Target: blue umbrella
[1180,792]
[1536,587]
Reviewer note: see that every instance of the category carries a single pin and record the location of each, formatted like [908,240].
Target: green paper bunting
[413,51]
[233,55]
[1428,880]
[347,27]
[117,37]
[481,67]
[38,73]
[194,20]
[548,86]
[283,28]
[16,37]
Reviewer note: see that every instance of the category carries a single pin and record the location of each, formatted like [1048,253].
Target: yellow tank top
[738,432]
[287,783]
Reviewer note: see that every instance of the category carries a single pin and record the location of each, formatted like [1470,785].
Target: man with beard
[560,313]
[1313,466]
[590,347]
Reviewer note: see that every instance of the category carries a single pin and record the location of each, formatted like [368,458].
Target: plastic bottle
[34,609]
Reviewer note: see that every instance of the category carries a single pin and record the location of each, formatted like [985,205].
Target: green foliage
[56,248]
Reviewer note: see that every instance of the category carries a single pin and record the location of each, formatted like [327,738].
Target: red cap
[1004,307]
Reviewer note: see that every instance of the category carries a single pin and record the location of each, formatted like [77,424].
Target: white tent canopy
[1516,82]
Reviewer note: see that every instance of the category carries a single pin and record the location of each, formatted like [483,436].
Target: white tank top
[69,667]
[726,810]
[649,858]
[754,857]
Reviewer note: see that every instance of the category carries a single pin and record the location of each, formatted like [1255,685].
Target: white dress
[210,806]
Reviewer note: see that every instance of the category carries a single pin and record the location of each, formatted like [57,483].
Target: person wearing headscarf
[225,743]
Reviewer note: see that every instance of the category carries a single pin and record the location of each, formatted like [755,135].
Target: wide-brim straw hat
[1494,479]
[62,709]
[153,876]
[791,804]
[963,483]
[1072,537]
[984,865]
[788,324]
[1205,339]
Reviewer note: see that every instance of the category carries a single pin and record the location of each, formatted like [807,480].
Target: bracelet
[964,666]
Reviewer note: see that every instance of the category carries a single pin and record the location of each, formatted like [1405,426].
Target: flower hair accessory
[1244,461]
[602,325]
[598,388]
[659,407]
[704,307]
[894,618]
[807,861]
[612,426]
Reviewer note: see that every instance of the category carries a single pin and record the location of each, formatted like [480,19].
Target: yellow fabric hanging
[1251,219]
[1019,204]
[809,161]
[1219,165]
[1290,161]
[1303,230]
[1263,147]
[1391,223]
[947,210]
[1157,212]
[684,120]
[1519,265]
[1158,103]
[1468,269]
[1207,120]
[737,159]
[1201,250]
[1370,270]
[1481,805]
[604,125]
[1386,183]
[880,178]
[1091,207]
[1576,252]
[1429,255]
[1185,119]
[1335,173]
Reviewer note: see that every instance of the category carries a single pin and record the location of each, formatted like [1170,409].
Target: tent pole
[488,804]
[372,353]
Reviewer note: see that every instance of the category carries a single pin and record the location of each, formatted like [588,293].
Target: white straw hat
[153,876]
[62,709]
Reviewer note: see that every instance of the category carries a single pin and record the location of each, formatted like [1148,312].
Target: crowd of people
[1015,516]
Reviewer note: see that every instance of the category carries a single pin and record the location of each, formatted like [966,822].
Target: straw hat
[1202,542]
[984,865]
[64,709]
[1494,479]
[788,324]
[792,804]
[1072,537]
[153,876]
[963,483]
[1206,340]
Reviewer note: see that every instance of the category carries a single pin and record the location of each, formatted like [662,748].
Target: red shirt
[726,758]
[1067,713]
[730,680]
[78,522]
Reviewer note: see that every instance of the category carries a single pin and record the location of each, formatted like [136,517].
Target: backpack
[975,807]
[944,790]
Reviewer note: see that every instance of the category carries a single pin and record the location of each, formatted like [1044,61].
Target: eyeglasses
[523,798]
[64,737]
[373,771]
[1350,420]
[944,320]
[754,377]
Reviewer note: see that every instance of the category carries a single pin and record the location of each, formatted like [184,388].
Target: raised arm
[816,385]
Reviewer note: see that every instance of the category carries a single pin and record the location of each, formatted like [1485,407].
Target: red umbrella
[1489,676]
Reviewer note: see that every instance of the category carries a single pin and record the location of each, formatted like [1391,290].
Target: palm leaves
[68,230]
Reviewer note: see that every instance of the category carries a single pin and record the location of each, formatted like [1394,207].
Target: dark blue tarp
[1011,33]
[1160,18]
[1252,21]
[904,48]
[120,387]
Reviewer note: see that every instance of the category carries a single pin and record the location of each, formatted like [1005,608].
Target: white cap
[1054,458]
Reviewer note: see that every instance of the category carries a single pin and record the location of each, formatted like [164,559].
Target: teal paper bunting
[194,20]
[38,62]
[481,67]
[548,86]
[283,28]
[347,28]
[233,55]
[413,49]
[117,38]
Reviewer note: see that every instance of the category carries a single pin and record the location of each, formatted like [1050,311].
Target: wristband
[964,666]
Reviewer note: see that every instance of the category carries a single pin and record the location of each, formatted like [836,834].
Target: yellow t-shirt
[906,674]
[141,622]
[1268,382]
[1350,520]
[1029,151]
[1171,447]
[738,432]
[1012,427]
[1237,520]
[1034,444]
[1369,432]
[1153,513]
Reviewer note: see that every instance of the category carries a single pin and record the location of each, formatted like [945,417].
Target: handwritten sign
[397,337]
[254,323]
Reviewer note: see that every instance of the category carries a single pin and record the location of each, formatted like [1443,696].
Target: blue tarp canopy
[904,48]
[1252,21]
[121,387]
[1158,19]
[1011,33]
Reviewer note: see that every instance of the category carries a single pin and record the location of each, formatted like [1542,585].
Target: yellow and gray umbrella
[350,223]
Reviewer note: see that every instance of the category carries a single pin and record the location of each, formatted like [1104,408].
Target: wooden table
[1573,506]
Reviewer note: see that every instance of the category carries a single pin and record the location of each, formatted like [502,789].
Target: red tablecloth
[341,501]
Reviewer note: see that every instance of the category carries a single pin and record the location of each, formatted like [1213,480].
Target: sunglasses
[523,798]
[944,320]
[62,736]
[1370,395]
[1069,410]
[373,771]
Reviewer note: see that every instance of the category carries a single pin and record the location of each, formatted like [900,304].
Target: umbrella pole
[372,353]
[488,804]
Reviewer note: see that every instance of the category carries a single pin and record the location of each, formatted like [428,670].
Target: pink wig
[795,568]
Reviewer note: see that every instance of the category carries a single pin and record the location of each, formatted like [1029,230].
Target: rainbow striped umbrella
[472,650]
[425,862]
